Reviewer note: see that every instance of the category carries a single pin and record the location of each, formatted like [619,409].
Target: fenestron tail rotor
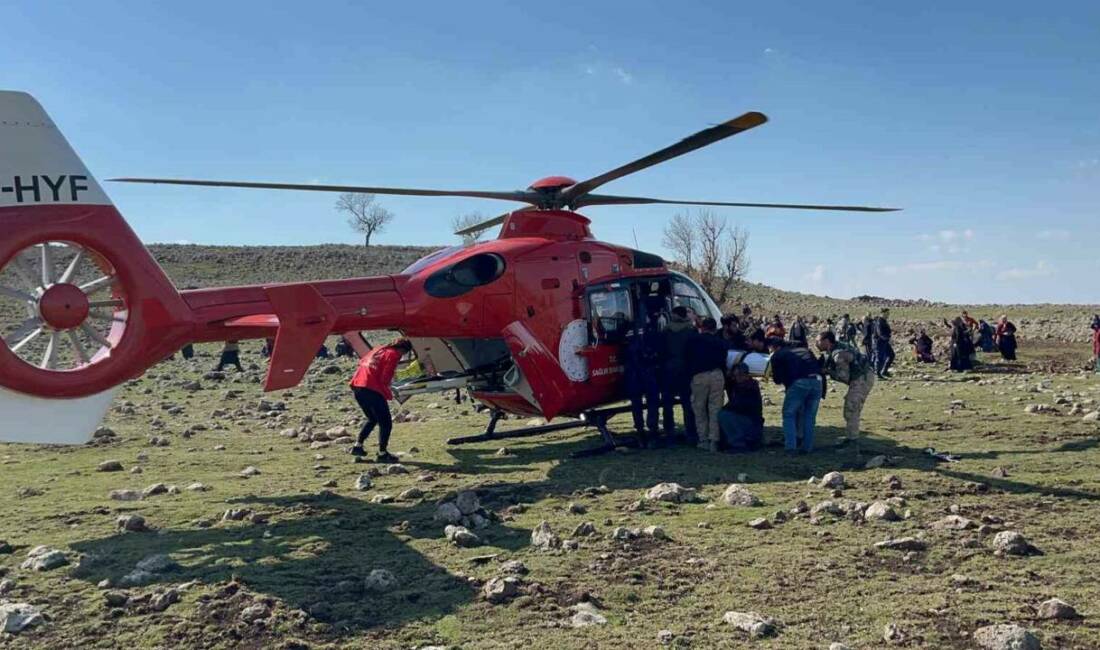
[554,193]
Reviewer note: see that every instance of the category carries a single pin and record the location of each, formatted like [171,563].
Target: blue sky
[981,119]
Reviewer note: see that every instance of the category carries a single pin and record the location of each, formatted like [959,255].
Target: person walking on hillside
[1006,339]
[706,364]
[844,364]
[371,386]
[867,337]
[230,356]
[884,351]
[985,336]
[675,380]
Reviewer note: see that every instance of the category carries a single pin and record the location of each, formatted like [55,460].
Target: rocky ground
[207,514]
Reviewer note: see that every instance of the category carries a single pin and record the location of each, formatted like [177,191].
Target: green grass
[822,582]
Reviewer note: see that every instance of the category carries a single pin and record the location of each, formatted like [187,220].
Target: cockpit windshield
[428,260]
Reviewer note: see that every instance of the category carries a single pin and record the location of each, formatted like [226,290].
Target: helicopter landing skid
[597,418]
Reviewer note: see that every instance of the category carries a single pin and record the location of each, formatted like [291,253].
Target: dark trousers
[884,356]
[678,386]
[644,400]
[229,358]
[377,412]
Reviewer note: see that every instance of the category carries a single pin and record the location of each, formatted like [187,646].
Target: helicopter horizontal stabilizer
[305,320]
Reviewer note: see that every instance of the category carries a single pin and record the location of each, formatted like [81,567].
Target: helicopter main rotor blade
[607,199]
[520,196]
[570,195]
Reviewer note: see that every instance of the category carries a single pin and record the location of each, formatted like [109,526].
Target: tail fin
[83,306]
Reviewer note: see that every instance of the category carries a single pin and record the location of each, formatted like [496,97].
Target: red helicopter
[530,323]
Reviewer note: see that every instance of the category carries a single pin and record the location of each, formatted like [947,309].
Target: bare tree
[463,221]
[709,250]
[364,215]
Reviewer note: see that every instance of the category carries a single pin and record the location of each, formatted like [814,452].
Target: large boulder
[833,481]
[1006,637]
[1056,609]
[467,502]
[461,536]
[670,492]
[380,581]
[739,495]
[880,511]
[448,513]
[586,615]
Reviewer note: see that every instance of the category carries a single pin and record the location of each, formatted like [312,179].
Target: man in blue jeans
[798,371]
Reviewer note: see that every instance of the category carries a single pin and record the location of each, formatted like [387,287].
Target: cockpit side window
[610,314]
[461,277]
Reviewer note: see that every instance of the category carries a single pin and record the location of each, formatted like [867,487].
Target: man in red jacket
[371,386]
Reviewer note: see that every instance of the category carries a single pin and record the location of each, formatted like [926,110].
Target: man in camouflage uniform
[846,365]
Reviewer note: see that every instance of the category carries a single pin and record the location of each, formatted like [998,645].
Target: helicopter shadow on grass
[314,555]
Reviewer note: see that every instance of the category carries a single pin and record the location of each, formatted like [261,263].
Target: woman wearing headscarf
[962,346]
[1006,339]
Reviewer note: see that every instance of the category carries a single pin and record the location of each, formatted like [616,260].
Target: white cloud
[816,277]
[951,242]
[1040,270]
[623,75]
[1054,234]
[184,242]
[934,267]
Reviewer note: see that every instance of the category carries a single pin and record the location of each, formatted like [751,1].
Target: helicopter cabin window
[610,314]
[686,295]
[460,277]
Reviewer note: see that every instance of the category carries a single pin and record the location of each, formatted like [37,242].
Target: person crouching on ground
[371,387]
[741,420]
[844,364]
[706,364]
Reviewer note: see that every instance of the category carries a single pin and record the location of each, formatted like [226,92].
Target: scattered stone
[665,637]
[411,494]
[832,481]
[903,544]
[16,617]
[461,536]
[467,502]
[670,492]
[875,462]
[381,498]
[236,514]
[109,466]
[1093,416]
[5,548]
[1006,637]
[115,599]
[880,511]
[655,532]
[44,558]
[255,612]
[1056,609]
[394,470]
[755,625]
[543,537]
[514,566]
[501,590]
[760,523]
[381,581]
[586,615]
[104,433]
[575,508]
[250,471]
[1011,542]
[156,564]
[448,513]
[999,472]
[124,495]
[739,495]
[838,646]
[954,522]
[622,534]
[585,529]
[363,483]
[892,633]
[131,523]
[163,600]
[154,489]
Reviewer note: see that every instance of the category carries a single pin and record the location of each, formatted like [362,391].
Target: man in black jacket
[742,418]
[799,335]
[884,351]
[798,371]
[705,356]
[675,380]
